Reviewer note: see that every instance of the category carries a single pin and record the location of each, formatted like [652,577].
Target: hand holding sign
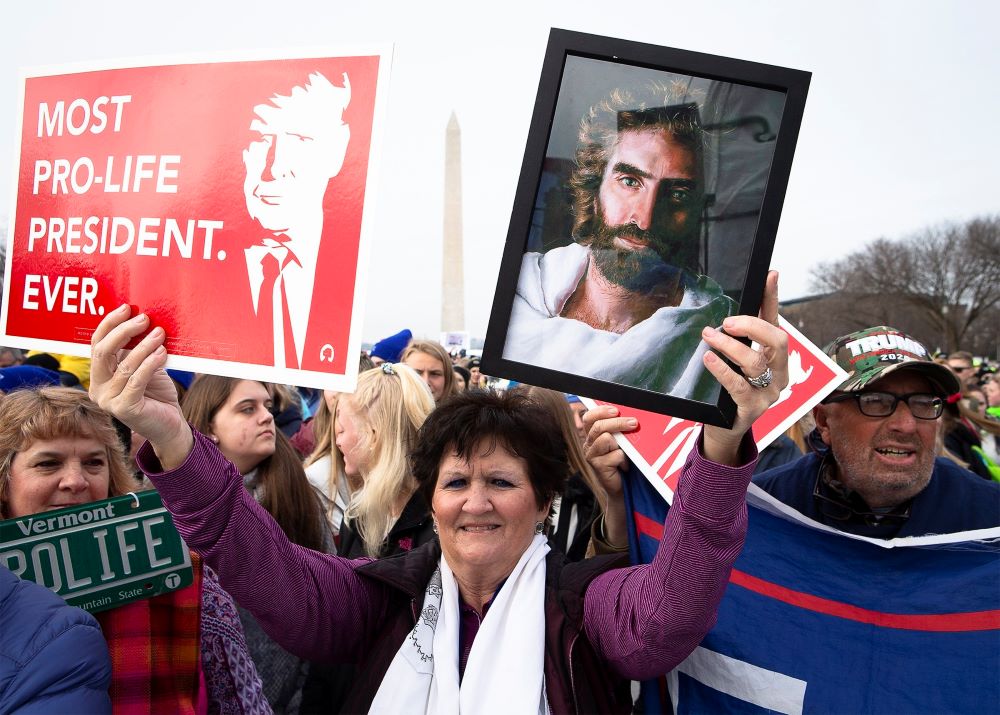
[607,459]
[722,445]
[605,453]
[133,386]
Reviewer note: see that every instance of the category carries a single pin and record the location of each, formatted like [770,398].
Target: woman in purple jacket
[485,619]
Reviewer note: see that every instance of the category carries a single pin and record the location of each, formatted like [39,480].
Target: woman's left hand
[133,385]
[722,445]
[608,460]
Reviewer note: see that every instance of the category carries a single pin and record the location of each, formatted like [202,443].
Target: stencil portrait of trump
[298,141]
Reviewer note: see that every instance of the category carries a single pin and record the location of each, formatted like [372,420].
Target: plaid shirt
[155,651]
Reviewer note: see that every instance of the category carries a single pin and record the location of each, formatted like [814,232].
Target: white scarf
[505,670]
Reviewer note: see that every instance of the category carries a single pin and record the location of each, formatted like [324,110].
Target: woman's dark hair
[466,375]
[285,491]
[467,422]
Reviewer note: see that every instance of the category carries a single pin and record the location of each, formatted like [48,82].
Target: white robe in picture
[662,353]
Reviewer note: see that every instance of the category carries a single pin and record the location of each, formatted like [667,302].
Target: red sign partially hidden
[228,200]
[663,443]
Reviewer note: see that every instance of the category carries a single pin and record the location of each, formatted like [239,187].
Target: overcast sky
[898,134]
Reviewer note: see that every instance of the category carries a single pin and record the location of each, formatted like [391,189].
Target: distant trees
[946,279]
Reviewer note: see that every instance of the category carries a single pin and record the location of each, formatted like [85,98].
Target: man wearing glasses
[961,363]
[877,473]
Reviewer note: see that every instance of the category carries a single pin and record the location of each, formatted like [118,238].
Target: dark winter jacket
[53,657]
[413,528]
[576,680]
[954,500]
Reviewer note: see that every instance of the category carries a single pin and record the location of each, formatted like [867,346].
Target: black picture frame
[745,117]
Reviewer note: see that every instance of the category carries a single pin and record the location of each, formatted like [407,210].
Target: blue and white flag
[816,621]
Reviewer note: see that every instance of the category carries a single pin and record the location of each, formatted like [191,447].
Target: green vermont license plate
[102,554]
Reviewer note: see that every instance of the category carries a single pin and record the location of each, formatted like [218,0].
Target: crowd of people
[429,543]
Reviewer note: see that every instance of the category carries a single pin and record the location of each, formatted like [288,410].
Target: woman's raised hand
[608,460]
[771,358]
[600,447]
[133,385]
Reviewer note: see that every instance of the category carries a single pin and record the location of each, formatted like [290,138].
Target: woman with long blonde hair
[325,464]
[375,428]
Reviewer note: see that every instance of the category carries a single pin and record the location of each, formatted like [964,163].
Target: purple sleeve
[312,604]
[644,620]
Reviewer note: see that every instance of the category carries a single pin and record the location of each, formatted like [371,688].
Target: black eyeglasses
[922,405]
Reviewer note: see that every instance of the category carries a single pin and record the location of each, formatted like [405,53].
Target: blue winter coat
[954,500]
[53,657]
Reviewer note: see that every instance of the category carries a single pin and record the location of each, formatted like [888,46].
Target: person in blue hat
[20,376]
[389,349]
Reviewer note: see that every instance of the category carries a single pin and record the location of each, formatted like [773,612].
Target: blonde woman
[374,430]
[325,464]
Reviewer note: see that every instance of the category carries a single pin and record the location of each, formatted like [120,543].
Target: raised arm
[645,619]
[312,604]
[769,360]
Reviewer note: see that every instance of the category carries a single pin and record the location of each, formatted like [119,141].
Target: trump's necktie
[272,273]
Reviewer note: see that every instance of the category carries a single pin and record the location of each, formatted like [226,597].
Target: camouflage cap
[869,355]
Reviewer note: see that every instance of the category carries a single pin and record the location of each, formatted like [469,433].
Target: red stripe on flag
[647,526]
[944,622]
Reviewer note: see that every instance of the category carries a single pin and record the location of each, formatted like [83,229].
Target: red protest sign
[662,444]
[231,201]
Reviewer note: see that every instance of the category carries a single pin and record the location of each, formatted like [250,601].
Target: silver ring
[762,380]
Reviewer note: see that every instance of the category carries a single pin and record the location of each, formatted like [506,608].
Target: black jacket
[327,686]
[413,528]
[576,680]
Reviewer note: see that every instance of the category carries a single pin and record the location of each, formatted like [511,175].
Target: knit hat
[47,361]
[466,375]
[19,376]
[390,348]
[869,355]
[77,367]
